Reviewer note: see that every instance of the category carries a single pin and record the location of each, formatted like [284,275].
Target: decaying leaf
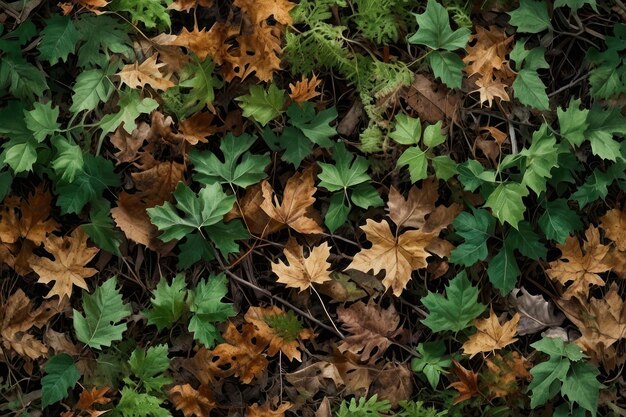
[265,410]
[89,398]
[305,89]
[394,383]
[491,335]
[187,5]
[467,385]
[432,101]
[300,271]
[490,89]
[614,225]
[192,402]
[536,313]
[249,208]
[503,372]
[147,73]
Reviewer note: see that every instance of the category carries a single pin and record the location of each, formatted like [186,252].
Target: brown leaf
[304,90]
[581,265]
[138,75]
[394,382]
[192,402]
[490,89]
[432,101]
[419,203]
[296,209]
[129,144]
[536,313]
[198,127]
[399,255]
[255,219]
[372,329]
[309,378]
[300,272]
[491,335]
[502,374]
[260,10]
[488,53]
[89,398]
[324,410]
[60,343]
[614,225]
[71,254]
[467,385]
[203,43]
[187,5]
[265,410]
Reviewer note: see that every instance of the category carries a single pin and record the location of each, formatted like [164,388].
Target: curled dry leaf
[198,127]
[490,90]
[89,398]
[491,335]
[192,402]
[372,329]
[305,89]
[536,313]
[265,410]
[467,385]
[147,73]
[301,272]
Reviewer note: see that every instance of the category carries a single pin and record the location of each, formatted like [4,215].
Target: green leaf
[540,158]
[315,126]
[603,124]
[447,66]
[68,161]
[131,107]
[434,29]
[24,81]
[92,87]
[6,180]
[503,270]
[407,130]
[444,166]
[168,302]
[473,175]
[557,347]
[433,135]
[296,146]
[42,120]
[240,167]
[526,241]
[596,186]
[337,213]
[530,90]
[432,361]
[207,308]
[573,122]
[574,5]
[149,365]
[101,37]
[262,105]
[198,77]
[135,404]
[225,236]
[476,229]
[101,228]
[20,154]
[152,13]
[546,382]
[530,17]
[417,163]
[204,209]
[194,249]
[366,196]
[60,376]
[506,203]
[103,309]
[559,221]
[58,39]
[456,310]
[349,170]
[582,386]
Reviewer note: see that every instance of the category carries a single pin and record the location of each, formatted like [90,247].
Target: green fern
[314,11]
[417,409]
[363,408]
[381,21]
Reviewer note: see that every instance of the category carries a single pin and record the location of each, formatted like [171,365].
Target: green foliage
[195,89]
[103,310]
[60,376]
[101,37]
[205,302]
[476,230]
[92,87]
[68,161]
[58,39]
[262,105]
[371,407]
[432,361]
[131,106]
[530,17]
[381,21]
[168,302]
[287,326]
[608,75]
[148,367]
[418,409]
[506,202]
[539,159]
[558,221]
[102,230]
[528,87]
[136,404]
[152,13]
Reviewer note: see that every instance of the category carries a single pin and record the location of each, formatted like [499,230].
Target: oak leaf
[301,272]
[89,398]
[467,385]
[261,10]
[192,402]
[372,329]
[203,43]
[398,255]
[296,208]
[138,75]
[130,143]
[581,265]
[502,374]
[71,254]
[304,90]
[491,335]
[265,410]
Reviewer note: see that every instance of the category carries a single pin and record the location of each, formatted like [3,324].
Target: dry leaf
[198,127]
[300,272]
[187,5]
[71,254]
[581,265]
[129,144]
[265,410]
[502,374]
[89,398]
[394,382]
[296,209]
[420,202]
[192,402]
[432,101]
[614,225]
[304,90]
[536,313]
[488,53]
[399,255]
[372,329]
[249,208]
[491,335]
[309,378]
[138,75]
[490,89]
[261,10]
[467,385]
[60,342]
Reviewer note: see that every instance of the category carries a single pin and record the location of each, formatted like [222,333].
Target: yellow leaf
[138,75]
[301,272]
[491,335]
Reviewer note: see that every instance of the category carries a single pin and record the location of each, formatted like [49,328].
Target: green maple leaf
[432,361]
[225,235]
[136,404]
[503,270]
[92,87]
[365,196]
[456,310]
[23,80]
[102,36]
[540,158]
[101,228]
[603,125]
[445,167]
[417,162]
[198,77]
[434,29]
[337,212]
[262,105]
[531,16]
[573,122]
[596,186]
[240,167]
[433,136]
[60,375]
[131,107]
[526,241]
[68,161]
[208,308]
[206,208]
[581,386]
[530,90]
[152,13]
[349,170]
[506,203]
[149,365]
[103,310]
[58,39]
[447,66]
[42,120]
[473,175]
[291,140]
[559,221]
[193,249]
[315,126]
[546,380]
[407,130]
[167,302]
[476,229]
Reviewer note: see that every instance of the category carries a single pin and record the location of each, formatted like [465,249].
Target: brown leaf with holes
[399,255]
[305,89]
[265,410]
[502,374]
[68,269]
[187,5]
[89,398]
[467,385]
[296,208]
[581,265]
[371,329]
[260,10]
[192,402]
[491,335]
[300,271]
[283,340]
[137,75]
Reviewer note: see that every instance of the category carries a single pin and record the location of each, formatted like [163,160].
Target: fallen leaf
[490,89]
[60,343]
[198,127]
[614,225]
[432,101]
[419,203]
[265,410]
[536,313]
[261,10]
[300,272]
[89,398]
[503,372]
[467,385]
[249,208]
[486,51]
[137,75]
[309,378]
[187,5]
[394,383]
[491,335]
[304,90]
[129,144]
[192,402]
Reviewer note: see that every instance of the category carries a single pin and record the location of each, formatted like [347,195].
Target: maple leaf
[17,317]
[265,410]
[614,224]
[467,385]
[502,373]
[411,212]
[71,254]
[260,10]
[304,90]
[89,398]
[192,402]
[582,269]
[491,335]
[138,75]
[281,332]
[489,51]
[203,43]
[197,127]
[490,89]
[255,219]
[398,255]
[300,272]
[296,209]
[372,329]
[186,6]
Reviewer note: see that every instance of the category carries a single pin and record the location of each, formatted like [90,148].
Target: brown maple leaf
[467,385]
[283,340]
[198,127]
[130,143]
[138,75]
[260,10]
[187,5]
[295,210]
[265,410]
[89,398]
[614,225]
[490,89]
[372,329]
[192,402]
[203,43]
[301,272]
[304,90]
[71,254]
[398,255]
[488,52]
[491,335]
[581,265]
[412,211]
[258,54]
[503,371]
[249,208]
